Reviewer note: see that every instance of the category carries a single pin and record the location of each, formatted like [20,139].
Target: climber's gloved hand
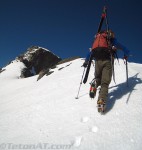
[85,64]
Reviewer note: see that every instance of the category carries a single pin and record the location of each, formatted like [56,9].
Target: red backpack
[100,40]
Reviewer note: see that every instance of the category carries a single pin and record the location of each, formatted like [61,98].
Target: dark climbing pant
[103,74]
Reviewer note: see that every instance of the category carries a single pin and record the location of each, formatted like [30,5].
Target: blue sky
[66,27]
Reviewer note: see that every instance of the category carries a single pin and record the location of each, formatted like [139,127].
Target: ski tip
[76,97]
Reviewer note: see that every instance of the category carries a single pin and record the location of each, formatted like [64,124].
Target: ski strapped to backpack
[103,16]
[112,54]
[102,41]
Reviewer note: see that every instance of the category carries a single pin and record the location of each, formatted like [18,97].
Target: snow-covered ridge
[46,111]
[12,70]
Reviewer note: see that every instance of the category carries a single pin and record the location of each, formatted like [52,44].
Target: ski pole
[126,63]
[80,83]
[127,72]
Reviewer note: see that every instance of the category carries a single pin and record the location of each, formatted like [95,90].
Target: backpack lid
[110,33]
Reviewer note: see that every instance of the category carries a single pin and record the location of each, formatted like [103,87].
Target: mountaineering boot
[101,105]
[93,89]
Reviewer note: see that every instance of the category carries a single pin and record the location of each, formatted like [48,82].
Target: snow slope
[46,111]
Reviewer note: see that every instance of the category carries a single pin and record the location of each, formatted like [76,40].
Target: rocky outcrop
[1,70]
[68,60]
[37,60]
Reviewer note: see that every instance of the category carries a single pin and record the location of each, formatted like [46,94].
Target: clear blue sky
[66,27]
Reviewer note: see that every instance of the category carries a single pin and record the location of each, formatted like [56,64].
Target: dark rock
[26,73]
[1,70]
[68,60]
[39,59]
[50,72]
[43,60]
[42,73]
[64,67]
[61,68]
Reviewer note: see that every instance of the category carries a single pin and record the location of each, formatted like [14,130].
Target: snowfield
[39,112]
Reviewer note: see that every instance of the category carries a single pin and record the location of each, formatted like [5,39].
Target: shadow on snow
[121,90]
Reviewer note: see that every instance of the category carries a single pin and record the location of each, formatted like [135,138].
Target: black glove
[85,64]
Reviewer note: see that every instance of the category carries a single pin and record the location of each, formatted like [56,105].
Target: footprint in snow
[85,119]
[94,129]
[132,140]
[77,141]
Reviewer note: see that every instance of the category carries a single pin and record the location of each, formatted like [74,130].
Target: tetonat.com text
[38,146]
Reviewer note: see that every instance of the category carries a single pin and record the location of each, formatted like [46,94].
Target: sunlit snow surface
[46,111]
